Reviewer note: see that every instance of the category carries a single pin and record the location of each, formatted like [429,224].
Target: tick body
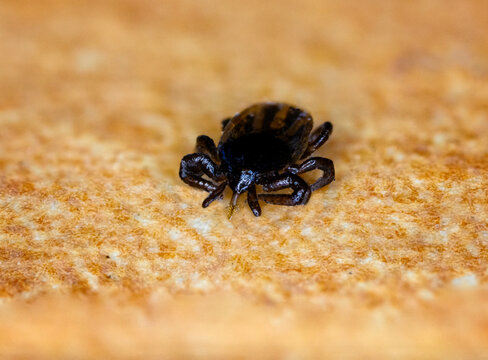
[260,145]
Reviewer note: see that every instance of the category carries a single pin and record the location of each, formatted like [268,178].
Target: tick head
[240,182]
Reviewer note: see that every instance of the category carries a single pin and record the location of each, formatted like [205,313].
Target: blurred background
[131,60]
[104,252]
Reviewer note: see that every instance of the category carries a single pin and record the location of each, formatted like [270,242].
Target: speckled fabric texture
[105,253]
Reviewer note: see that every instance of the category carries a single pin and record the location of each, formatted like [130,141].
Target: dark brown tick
[260,146]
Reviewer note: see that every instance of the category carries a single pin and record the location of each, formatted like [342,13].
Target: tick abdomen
[265,137]
[256,151]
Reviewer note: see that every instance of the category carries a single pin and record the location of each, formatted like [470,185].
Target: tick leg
[317,138]
[301,191]
[214,195]
[252,200]
[206,145]
[194,166]
[225,122]
[316,163]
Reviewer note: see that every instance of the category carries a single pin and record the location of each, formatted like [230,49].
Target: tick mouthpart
[232,205]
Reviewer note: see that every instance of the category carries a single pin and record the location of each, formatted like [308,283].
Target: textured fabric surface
[104,252]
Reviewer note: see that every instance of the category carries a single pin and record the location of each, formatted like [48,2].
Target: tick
[260,145]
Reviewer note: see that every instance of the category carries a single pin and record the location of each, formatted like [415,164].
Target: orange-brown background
[104,252]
